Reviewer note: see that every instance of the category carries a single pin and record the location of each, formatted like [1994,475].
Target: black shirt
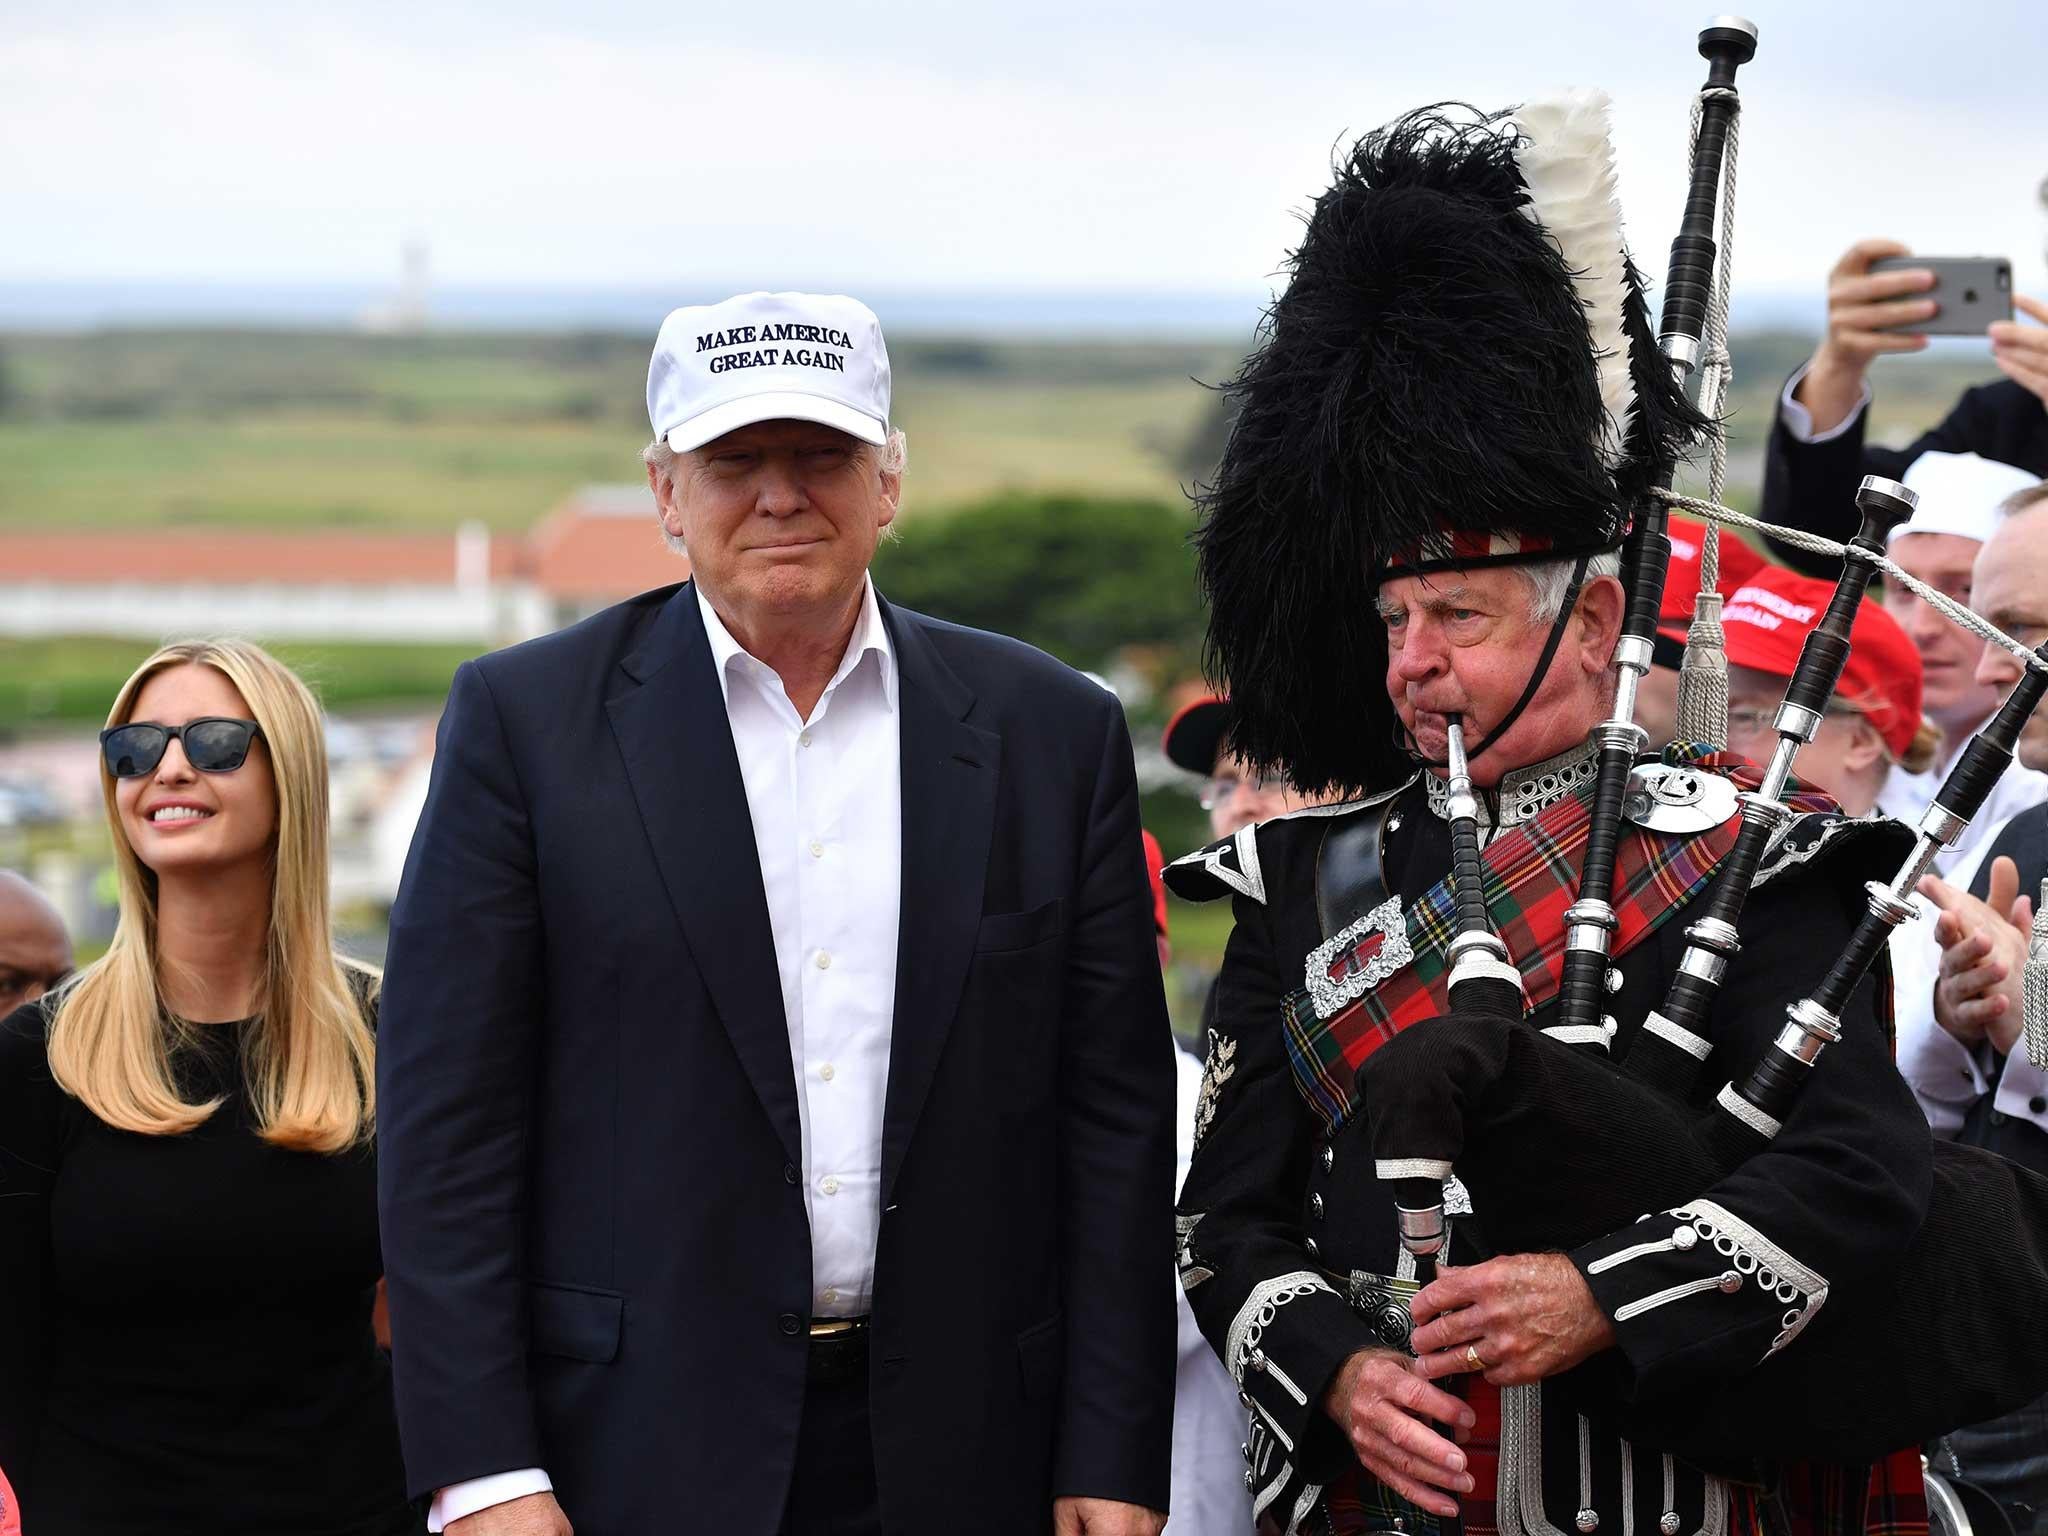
[187,1344]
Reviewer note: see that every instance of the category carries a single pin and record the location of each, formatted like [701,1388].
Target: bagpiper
[1413,535]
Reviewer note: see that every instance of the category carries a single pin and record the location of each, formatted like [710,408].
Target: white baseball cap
[1959,493]
[768,357]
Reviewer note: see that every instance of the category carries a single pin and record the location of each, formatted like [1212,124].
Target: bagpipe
[1561,1138]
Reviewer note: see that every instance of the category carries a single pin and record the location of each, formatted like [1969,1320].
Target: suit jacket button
[1329,1157]
[1315,1205]
[790,1324]
[789,1173]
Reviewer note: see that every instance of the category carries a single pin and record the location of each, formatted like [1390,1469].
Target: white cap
[768,357]
[1960,494]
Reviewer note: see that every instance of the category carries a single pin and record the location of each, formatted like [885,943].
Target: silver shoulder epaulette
[1231,866]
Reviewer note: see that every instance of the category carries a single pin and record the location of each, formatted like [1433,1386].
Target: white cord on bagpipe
[1703,676]
[1799,538]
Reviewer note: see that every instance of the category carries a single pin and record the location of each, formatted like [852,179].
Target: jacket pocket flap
[574,1321]
[1021,930]
[1041,1356]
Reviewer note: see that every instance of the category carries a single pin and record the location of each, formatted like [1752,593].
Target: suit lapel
[950,773]
[671,727]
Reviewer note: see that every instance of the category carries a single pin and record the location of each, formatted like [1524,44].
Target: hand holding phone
[2021,350]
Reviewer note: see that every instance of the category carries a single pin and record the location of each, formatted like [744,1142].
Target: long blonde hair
[308,1064]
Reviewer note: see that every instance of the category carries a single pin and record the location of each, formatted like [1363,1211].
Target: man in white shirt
[1959,1039]
[1959,1027]
[774,1075]
[1960,495]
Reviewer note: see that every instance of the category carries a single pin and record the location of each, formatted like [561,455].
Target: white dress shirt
[1907,796]
[1799,420]
[826,798]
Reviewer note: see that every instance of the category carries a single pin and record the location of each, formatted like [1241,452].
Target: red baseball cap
[1155,871]
[1768,619]
[1739,562]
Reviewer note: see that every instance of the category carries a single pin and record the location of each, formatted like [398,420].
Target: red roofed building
[597,548]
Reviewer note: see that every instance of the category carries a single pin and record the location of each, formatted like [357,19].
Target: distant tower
[412,286]
[405,312]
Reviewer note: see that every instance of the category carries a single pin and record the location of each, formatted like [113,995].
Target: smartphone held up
[1969,292]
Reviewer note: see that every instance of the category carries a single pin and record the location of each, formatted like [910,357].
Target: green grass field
[130,429]
[73,679]
[274,429]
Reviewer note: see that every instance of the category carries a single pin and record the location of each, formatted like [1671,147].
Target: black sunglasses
[213,744]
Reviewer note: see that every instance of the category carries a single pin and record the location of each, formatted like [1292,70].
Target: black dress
[186,1344]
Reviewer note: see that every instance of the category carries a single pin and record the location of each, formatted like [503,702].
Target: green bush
[1081,577]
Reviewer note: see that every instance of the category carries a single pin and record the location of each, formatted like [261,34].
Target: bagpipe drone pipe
[1559,1145]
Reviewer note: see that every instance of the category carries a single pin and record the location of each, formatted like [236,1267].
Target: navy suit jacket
[1813,485]
[593,1220]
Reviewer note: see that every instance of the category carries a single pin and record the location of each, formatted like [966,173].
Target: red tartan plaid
[1531,876]
[1810,1498]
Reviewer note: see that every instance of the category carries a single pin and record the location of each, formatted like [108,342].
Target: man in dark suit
[1818,455]
[1969,1073]
[775,1085]
[1971,1070]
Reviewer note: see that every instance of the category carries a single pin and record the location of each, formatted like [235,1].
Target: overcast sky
[1063,144]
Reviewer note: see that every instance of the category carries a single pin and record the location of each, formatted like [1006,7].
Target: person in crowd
[1237,796]
[1960,1013]
[1960,496]
[1208,1495]
[1818,450]
[188,1222]
[1234,794]
[776,1083]
[35,946]
[1968,1075]
[1872,729]
[1657,695]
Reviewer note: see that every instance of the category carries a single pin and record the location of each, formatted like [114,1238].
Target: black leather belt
[1350,880]
[839,1349]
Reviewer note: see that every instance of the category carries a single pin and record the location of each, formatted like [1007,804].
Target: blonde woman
[188,1228]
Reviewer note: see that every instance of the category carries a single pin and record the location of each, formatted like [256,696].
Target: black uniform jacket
[590,1153]
[1281,1229]
[1813,485]
[2025,842]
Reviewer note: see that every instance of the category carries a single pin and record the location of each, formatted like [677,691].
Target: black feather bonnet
[1429,384]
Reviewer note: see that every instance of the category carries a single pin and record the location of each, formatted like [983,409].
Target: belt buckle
[833,1327]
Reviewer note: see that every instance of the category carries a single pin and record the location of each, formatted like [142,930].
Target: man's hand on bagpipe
[1385,1408]
[1515,1320]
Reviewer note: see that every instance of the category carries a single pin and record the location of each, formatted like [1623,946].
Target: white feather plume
[1567,163]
